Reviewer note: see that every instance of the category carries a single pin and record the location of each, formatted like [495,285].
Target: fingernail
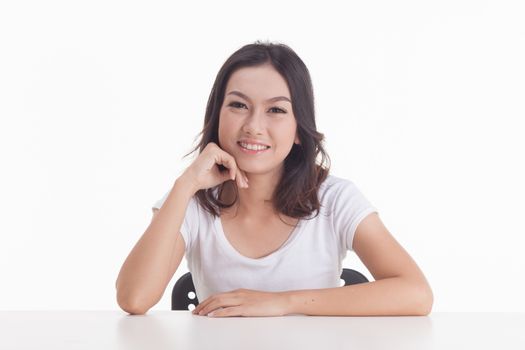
[211,314]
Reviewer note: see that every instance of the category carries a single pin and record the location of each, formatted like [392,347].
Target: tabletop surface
[182,330]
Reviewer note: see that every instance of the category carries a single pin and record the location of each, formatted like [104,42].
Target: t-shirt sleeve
[350,206]
[161,201]
[190,224]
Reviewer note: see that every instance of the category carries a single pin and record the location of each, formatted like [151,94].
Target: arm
[400,287]
[156,256]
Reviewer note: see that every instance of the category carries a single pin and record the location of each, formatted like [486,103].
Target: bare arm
[154,259]
[156,256]
[400,287]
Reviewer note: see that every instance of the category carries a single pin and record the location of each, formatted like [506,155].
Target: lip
[249,151]
[253,142]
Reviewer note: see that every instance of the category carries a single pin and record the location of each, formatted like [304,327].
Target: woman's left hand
[244,302]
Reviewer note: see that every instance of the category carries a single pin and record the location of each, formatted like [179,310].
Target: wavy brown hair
[296,194]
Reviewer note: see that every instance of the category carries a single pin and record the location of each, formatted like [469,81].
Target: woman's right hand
[204,172]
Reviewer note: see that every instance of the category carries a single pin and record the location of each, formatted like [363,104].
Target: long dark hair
[296,193]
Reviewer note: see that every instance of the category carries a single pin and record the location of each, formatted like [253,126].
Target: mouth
[252,149]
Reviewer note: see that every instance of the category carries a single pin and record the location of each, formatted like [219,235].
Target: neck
[255,202]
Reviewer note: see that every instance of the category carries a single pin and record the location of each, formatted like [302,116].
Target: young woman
[264,227]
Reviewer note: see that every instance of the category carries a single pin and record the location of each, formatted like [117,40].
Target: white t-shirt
[311,258]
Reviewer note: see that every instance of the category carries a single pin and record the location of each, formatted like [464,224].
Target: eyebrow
[273,99]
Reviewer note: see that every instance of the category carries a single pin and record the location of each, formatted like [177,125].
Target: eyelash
[239,103]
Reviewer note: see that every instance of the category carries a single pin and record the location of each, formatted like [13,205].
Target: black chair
[180,299]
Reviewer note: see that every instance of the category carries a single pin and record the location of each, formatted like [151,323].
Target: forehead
[261,82]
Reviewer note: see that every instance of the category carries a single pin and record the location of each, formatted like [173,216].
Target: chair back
[183,293]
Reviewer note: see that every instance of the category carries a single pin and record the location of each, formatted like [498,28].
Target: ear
[297,141]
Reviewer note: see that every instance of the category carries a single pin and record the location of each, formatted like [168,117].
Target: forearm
[394,296]
[144,274]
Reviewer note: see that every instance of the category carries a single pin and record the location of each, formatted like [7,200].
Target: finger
[201,305]
[225,159]
[206,303]
[227,312]
[209,307]
[232,173]
[216,304]
[244,176]
[240,179]
[228,161]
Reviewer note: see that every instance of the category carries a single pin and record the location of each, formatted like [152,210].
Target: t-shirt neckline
[272,256]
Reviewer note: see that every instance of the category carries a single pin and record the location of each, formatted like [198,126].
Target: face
[257,107]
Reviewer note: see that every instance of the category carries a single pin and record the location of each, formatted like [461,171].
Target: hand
[204,172]
[244,302]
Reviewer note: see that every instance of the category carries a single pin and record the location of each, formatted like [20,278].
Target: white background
[421,104]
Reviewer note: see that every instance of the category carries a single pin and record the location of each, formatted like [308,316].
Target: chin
[251,168]
[257,169]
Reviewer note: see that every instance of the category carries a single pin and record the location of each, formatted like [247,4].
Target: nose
[255,122]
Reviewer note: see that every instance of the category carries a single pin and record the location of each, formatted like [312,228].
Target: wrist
[288,302]
[186,184]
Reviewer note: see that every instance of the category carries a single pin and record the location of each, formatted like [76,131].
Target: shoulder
[342,197]
[333,187]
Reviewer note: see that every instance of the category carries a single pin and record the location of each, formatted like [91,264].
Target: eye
[278,109]
[236,104]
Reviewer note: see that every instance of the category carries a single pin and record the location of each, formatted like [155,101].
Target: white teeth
[253,147]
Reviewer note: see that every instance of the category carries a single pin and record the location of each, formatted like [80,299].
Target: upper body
[260,132]
[222,257]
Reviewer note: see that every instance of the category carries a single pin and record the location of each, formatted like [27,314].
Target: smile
[252,149]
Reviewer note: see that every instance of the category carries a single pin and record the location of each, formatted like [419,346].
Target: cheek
[286,133]
[226,122]
[223,127]
[285,143]
[227,125]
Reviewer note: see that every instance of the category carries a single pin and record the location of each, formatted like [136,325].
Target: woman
[264,227]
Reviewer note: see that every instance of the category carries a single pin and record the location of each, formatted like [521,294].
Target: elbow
[424,300]
[130,306]
[429,303]
[132,309]
[136,311]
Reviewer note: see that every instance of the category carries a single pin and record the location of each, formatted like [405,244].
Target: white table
[104,330]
